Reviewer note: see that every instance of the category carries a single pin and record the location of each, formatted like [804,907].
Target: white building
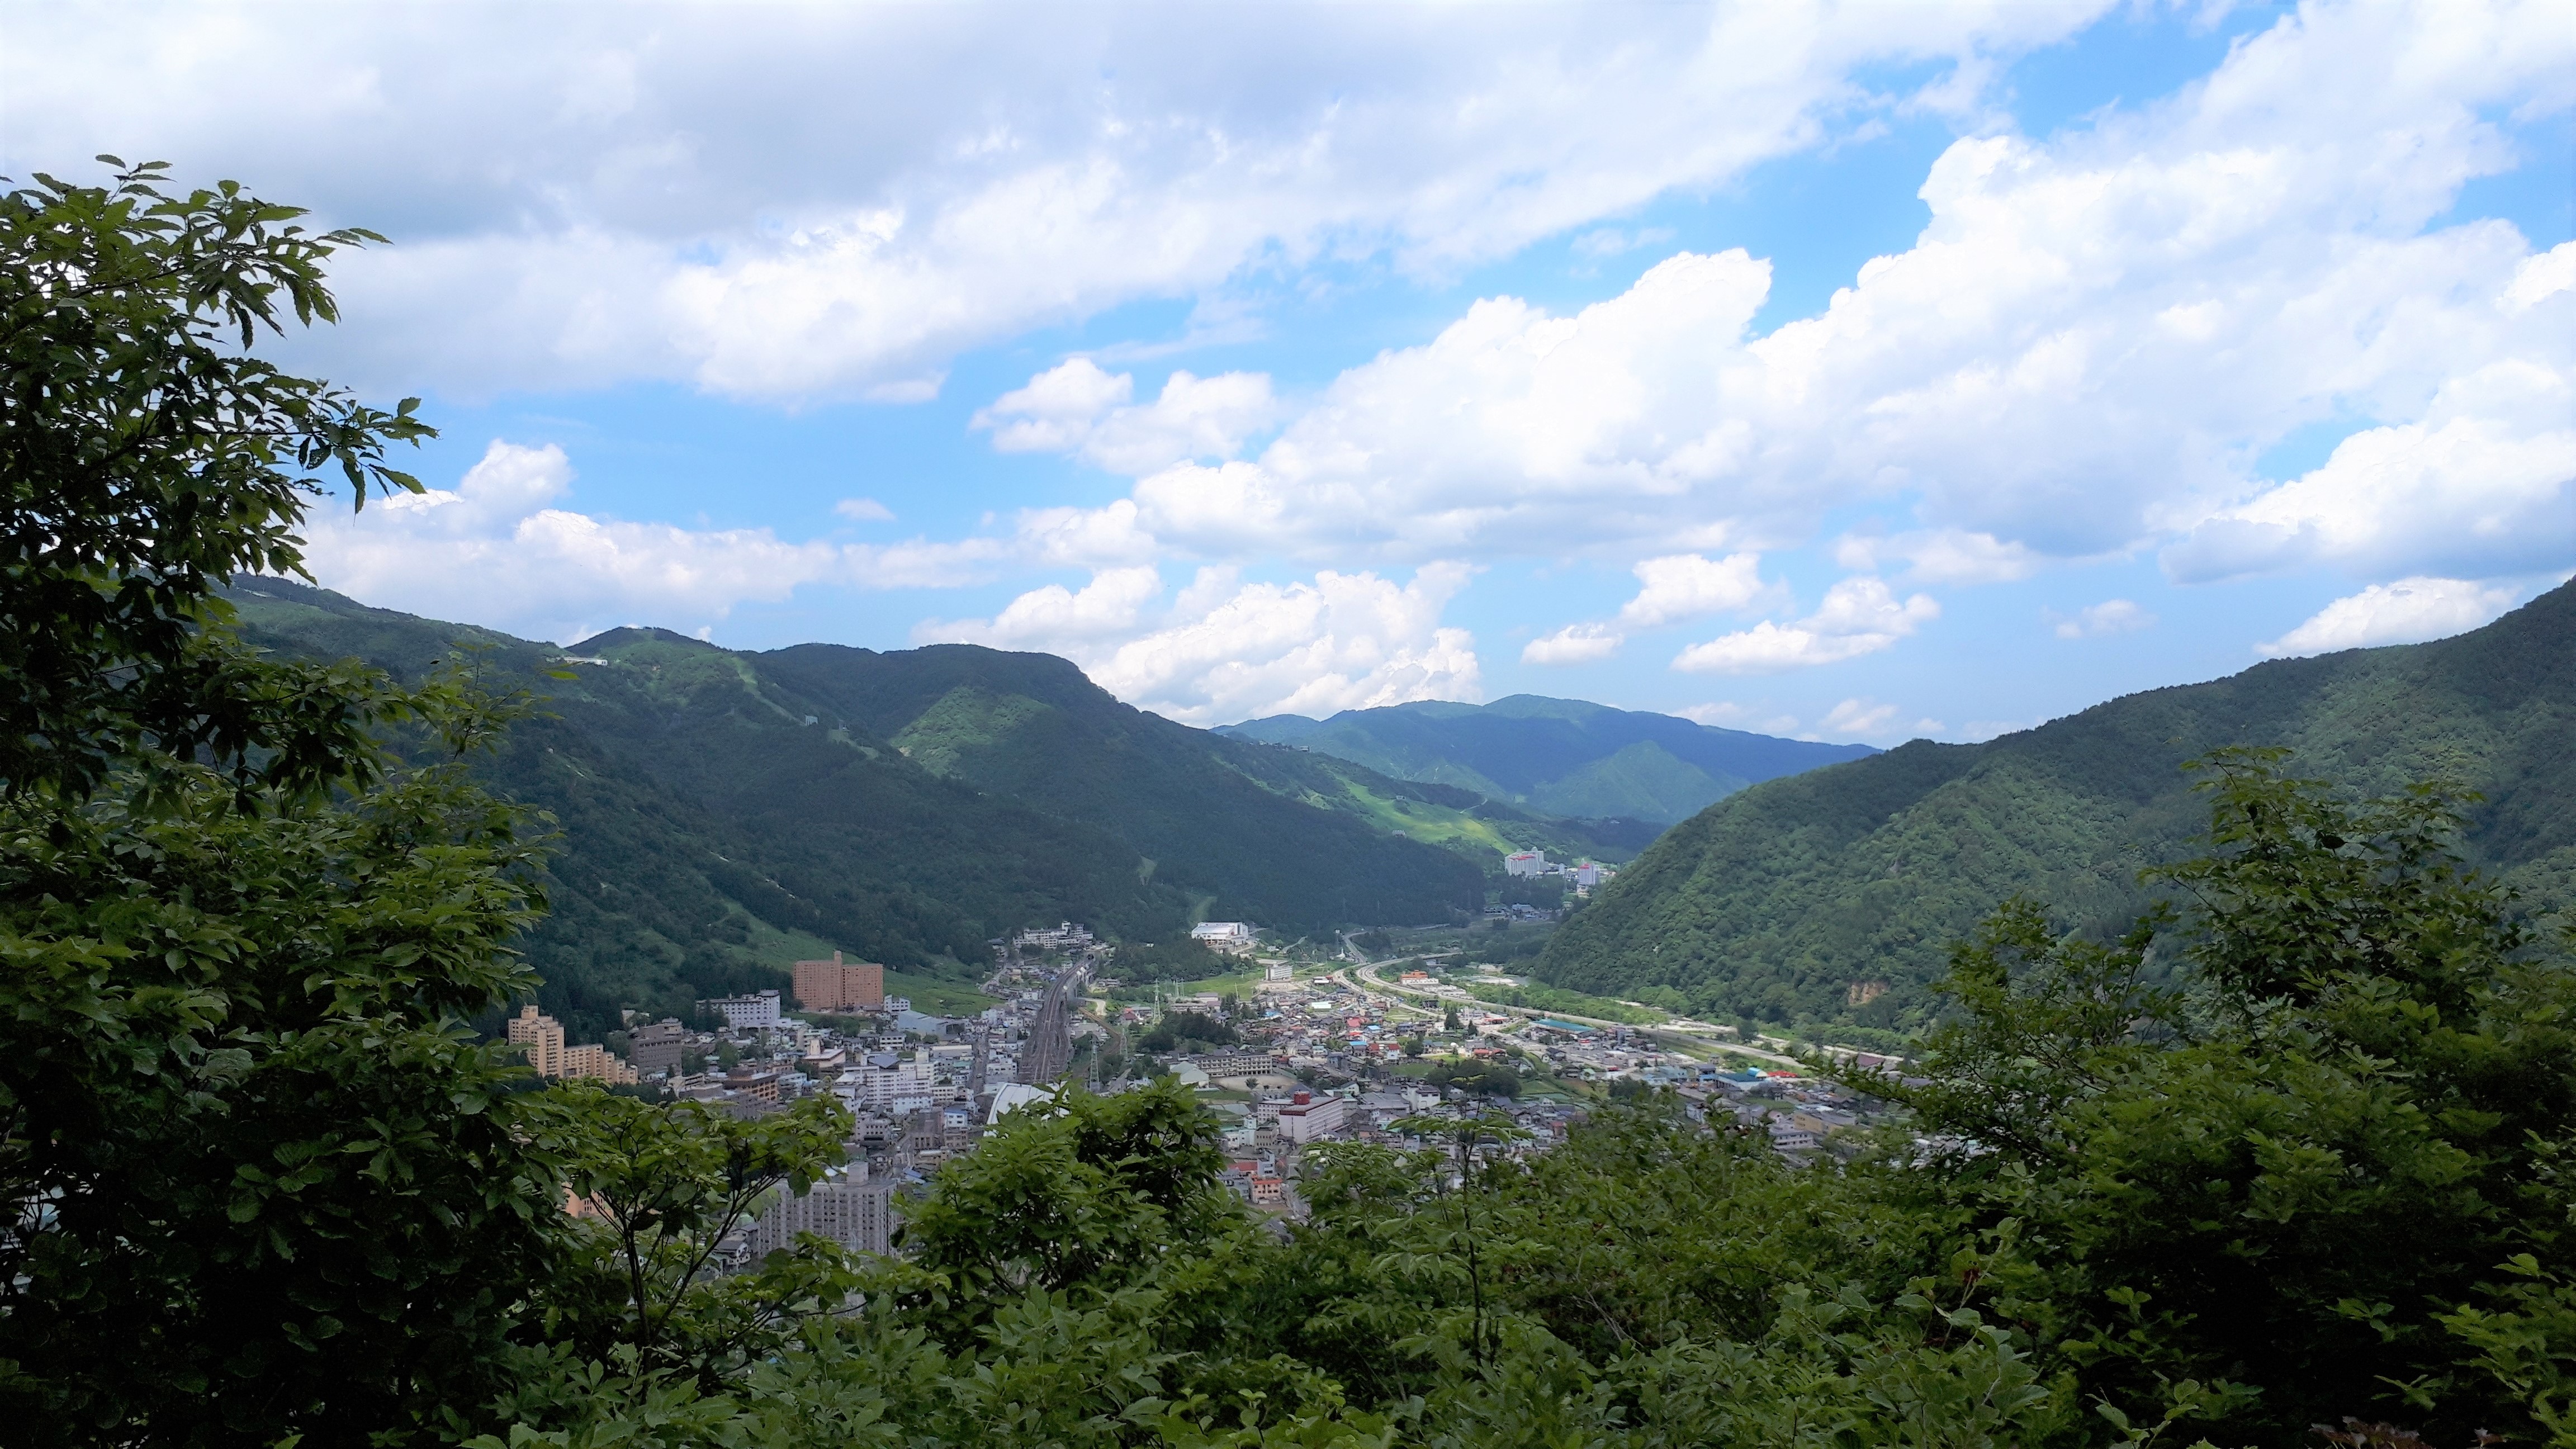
[882,1081]
[1527,862]
[1223,935]
[1306,1117]
[1588,874]
[756,1012]
[845,1207]
[1277,971]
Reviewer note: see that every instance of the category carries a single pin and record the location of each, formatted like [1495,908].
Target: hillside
[722,813]
[1831,896]
[1554,756]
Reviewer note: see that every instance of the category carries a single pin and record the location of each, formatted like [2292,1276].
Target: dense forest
[1833,896]
[1560,756]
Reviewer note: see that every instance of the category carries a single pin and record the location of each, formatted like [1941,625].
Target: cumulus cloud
[1228,650]
[863,510]
[1078,408]
[590,199]
[2111,616]
[1858,616]
[1687,586]
[2083,353]
[2487,480]
[1573,644]
[494,550]
[2408,611]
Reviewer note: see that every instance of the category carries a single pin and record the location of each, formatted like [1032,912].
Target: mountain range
[1832,896]
[720,814]
[1555,756]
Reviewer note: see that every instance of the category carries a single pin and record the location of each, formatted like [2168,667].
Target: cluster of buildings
[1582,875]
[542,1038]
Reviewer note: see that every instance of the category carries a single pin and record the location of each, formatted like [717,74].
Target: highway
[1364,977]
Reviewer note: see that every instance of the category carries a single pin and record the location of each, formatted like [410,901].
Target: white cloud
[863,510]
[1573,644]
[494,551]
[1855,719]
[2083,353]
[1054,618]
[1609,241]
[1727,714]
[2111,616]
[1859,616]
[2485,482]
[1078,408]
[1687,585]
[1940,556]
[2408,611]
[1228,650]
[492,546]
[592,195]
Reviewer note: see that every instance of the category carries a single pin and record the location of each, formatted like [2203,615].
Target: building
[543,1039]
[1526,862]
[1065,937]
[1277,971]
[845,1207]
[1306,1117]
[884,1079]
[840,986]
[657,1047]
[756,1012]
[1233,936]
[1234,1064]
[1588,874]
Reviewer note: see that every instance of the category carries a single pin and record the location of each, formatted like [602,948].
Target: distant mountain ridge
[723,813]
[1833,896]
[1555,756]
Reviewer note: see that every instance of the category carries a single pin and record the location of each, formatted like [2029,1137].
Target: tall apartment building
[838,985]
[543,1037]
[657,1047]
[845,1207]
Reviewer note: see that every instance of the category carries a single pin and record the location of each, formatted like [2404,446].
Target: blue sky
[1853,372]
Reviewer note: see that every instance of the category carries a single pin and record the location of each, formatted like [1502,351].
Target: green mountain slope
[1560,757]
[1832,895]
[722,814]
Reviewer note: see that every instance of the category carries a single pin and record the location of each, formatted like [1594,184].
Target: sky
[1853,372]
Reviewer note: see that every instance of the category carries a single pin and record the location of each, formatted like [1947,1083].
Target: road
[1368,980]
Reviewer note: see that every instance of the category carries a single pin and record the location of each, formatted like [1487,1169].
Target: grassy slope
[1778,901]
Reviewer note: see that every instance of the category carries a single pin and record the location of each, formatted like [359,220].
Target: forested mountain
[1832,896]
[723,812]
[1558,756]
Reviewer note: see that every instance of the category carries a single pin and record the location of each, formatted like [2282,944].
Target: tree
[260,1182]
[668,1183]
[2285,1170]
[146,458]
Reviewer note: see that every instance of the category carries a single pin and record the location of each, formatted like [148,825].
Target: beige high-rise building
[543,1036]
[838,985]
